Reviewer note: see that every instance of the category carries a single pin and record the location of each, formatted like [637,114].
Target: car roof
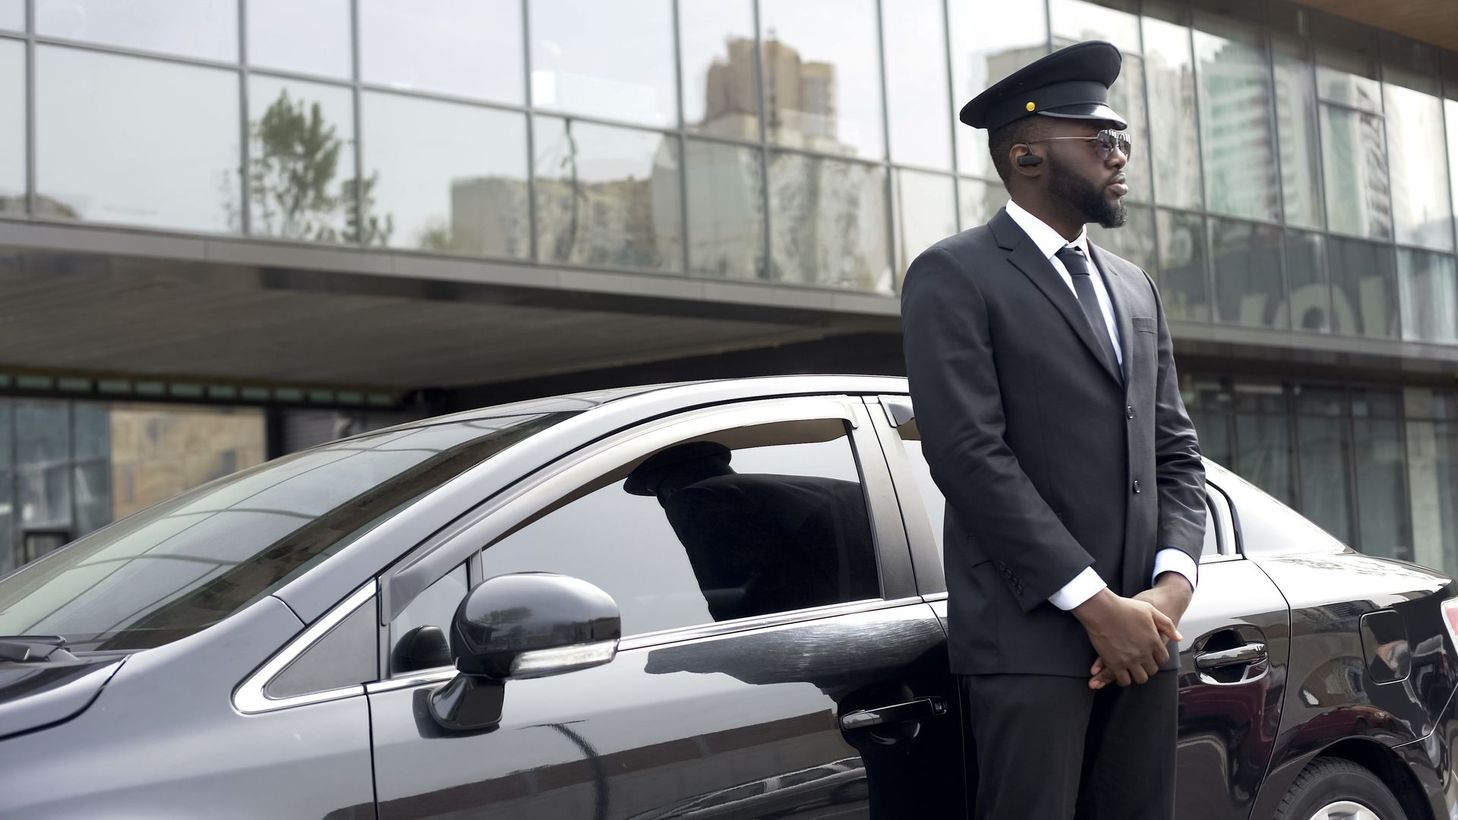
[745,387]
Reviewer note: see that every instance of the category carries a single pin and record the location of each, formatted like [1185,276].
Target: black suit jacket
[1050,460]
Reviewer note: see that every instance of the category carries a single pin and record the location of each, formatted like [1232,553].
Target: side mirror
[524,625]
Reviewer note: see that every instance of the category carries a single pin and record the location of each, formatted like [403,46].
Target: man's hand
[1129,635]
[1170,595]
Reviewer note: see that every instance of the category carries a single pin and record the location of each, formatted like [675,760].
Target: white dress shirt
[1087,584]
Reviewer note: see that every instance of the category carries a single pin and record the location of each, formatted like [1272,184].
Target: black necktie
[1078,267]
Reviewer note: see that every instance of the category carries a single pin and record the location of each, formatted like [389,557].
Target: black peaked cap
[1071,82]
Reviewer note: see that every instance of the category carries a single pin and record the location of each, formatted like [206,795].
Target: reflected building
[221,247]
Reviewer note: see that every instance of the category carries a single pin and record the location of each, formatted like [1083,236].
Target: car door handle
[899,713]
[1250,653]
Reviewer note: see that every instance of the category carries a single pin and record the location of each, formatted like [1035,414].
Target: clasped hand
[1131,635]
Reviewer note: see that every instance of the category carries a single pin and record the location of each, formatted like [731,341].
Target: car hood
[34,695]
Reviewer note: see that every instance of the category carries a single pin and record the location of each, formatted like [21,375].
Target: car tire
[1336,788]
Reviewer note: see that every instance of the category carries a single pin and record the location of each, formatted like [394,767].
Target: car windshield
[187,563]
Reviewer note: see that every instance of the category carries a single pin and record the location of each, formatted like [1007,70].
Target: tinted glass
[1169,77]
[91,465]
[1264,454]
[607,196]
[444,177]
[918,105]
[310,36]
[42,467]
[1076,21]
[436,606]
[725,209]
[1326,455]
[979,201]
[720,84]
[982,54]
[1432,450]
[782,526]
[1364,289]
[1182,284]
[1296,127]
[199,28]
[138,142]
[1354,173]
[1422,211]
[1450,115]
[183,565]
[926,211]
[1247,262]
[471,48]
[1308,288]
[829,223]
[1236,122]
[301,159]
[611,60]
[1134,241]
[12,128]
[346,656]
[1428,284]
[1382,503]
[1349,79]
[822,83]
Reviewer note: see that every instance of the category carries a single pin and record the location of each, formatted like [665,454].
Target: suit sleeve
[953,375]
[1180,473]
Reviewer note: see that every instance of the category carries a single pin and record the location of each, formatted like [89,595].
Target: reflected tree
[292,174]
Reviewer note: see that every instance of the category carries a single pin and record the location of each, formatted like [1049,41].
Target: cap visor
[1087,111]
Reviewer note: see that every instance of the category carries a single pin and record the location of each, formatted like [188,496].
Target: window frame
[546,486]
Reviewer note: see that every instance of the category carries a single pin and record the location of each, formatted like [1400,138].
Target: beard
[1088,199]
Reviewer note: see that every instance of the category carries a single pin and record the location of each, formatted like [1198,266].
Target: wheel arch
[1372,755]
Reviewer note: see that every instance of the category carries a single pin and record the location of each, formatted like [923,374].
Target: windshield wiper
[34,649]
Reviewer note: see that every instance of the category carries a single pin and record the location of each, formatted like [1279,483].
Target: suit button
[1129,411]
[1136,487]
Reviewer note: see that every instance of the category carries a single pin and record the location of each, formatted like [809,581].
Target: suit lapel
[1025,256]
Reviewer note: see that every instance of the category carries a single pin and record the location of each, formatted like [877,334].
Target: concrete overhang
[1429,21]
[93,300]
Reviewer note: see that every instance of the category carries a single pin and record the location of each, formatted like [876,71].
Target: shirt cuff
[1170,559]
[1085,585]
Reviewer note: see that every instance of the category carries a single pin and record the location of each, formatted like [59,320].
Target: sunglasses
[1104,141]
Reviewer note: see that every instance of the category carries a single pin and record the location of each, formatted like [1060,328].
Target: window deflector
[539,490]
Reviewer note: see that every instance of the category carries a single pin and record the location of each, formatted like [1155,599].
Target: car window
[932,501]
[745,522]
[435,606]
[183,565]
[345,656]
[1211,546]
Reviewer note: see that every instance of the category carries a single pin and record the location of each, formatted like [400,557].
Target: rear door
[1232,675]
[812,686]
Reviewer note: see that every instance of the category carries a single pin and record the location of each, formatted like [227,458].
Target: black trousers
[1049,748]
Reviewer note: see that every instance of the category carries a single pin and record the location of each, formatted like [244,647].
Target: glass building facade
[1292,186]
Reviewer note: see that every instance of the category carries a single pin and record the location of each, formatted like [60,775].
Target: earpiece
[1029,159]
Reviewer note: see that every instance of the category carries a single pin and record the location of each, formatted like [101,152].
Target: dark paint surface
[1229,717]
[33,695]
[746,723]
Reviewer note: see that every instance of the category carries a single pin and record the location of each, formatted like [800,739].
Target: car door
[766,668]
[1232,674]
[1232,660]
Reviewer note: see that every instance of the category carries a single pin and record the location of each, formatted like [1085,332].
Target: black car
[719,599]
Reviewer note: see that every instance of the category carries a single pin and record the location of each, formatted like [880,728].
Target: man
[1045,391]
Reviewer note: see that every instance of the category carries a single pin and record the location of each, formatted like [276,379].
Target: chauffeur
[1045,391]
